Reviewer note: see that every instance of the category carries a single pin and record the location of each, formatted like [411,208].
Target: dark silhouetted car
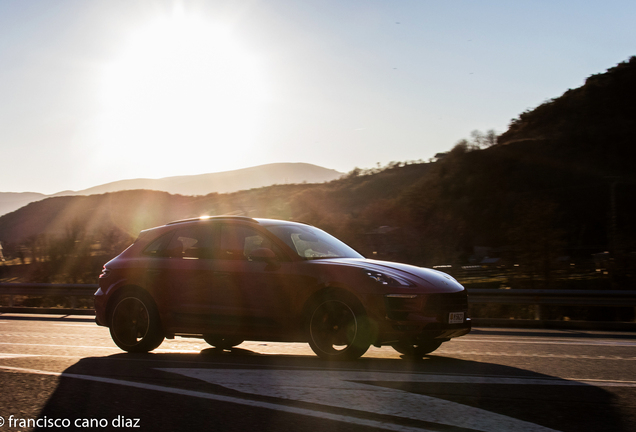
[230,279]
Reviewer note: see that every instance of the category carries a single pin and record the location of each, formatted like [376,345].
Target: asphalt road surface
[66,372]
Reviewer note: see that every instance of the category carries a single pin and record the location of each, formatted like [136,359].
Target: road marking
[440,352]
[550,342]
[40,335]
[343,389]
[164,350]
[334,388]
[95,326]
[160,351]
[31,371]
[234,400]
[606,383]
[534,355]
[10,356]
[64,346]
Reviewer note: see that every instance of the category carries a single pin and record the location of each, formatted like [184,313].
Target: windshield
[312,243]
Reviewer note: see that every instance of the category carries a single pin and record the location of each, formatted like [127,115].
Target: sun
[183,96]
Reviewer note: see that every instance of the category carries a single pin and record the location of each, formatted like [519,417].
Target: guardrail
[541,297]
[45,290]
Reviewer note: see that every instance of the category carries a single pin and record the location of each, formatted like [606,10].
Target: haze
[94,92]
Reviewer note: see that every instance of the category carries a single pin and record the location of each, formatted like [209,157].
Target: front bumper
[100,308]
[423,317]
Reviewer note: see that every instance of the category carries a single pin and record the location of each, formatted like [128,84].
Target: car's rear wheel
[222,342]
[338,328]
[419,350]
[135,325]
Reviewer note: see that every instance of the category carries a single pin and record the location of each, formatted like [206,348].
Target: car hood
[416,274]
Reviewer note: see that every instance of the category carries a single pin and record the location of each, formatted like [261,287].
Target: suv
[227,279]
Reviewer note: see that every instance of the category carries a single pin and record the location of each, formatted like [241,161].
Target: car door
[260,295]
[184,272]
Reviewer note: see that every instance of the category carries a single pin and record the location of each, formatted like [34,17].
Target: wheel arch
[325,292]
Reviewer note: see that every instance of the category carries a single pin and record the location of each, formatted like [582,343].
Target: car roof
[259,221]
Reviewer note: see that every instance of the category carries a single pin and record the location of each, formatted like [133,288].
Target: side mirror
[262,254]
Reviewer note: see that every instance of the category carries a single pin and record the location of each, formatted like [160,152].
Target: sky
[103,90]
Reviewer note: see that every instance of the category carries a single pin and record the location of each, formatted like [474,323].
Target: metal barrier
[45,290]
[611,298]
[542,297]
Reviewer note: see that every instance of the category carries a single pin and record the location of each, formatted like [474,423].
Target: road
[67,370]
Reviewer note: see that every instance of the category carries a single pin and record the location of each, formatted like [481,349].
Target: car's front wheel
[417,351]
[338,328]
[135,325]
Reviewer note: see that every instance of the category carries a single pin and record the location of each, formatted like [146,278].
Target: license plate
[456,317]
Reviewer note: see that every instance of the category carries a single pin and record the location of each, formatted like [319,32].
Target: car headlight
[104,274]
[386,279]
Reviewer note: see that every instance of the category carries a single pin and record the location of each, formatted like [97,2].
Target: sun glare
[183,96]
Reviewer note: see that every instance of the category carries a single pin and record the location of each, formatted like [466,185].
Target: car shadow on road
[164,391]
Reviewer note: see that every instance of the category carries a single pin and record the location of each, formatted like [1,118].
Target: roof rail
[230,217]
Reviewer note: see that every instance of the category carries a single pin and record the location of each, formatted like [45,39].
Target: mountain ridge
[193,185]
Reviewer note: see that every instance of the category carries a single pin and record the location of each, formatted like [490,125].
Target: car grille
[445,302]
[430,305]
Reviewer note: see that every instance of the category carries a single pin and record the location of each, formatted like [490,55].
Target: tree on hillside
[536,240]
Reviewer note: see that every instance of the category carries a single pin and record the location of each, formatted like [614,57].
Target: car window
[192,242]
[312,243]
[157,246]
[237,242]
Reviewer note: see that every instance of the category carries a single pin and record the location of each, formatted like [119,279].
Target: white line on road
[95,326]
[229,399]
[166,350]
[352,390]
[549,342]
[532,355]
[57,346]
[11,355]
[441,352]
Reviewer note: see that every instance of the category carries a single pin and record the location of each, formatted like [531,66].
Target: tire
[222,342]
[417,351]
[338,328]
[135,325]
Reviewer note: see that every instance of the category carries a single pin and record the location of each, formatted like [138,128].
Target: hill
[201,184]
[131,211]
[10,201]
[222,182]
[560,181]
